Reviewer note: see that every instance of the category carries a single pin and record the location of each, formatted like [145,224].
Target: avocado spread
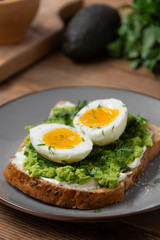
[103,164]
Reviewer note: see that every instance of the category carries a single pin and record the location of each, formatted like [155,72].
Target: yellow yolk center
[62,138]
[98,117]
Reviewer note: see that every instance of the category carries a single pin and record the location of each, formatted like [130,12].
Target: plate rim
[65,217]
[75,218]
[66,87]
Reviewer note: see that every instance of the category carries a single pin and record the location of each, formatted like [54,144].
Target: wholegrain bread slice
[73,198]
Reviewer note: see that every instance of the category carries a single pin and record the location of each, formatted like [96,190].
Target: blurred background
[45,44]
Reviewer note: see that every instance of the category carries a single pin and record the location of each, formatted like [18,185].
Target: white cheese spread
[66,104]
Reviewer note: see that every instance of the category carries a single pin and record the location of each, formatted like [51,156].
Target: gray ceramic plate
[33,109]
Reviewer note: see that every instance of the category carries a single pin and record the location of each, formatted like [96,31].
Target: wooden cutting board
[42,37]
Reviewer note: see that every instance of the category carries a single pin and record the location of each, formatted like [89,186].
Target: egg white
[63,156]
[108,133]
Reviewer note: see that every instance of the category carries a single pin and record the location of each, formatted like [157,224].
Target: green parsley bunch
[139,35]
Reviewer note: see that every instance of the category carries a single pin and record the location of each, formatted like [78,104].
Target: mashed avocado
[103,164]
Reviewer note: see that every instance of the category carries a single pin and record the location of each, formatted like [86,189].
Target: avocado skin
[89,31]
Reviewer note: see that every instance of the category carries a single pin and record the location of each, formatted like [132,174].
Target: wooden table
[58,71]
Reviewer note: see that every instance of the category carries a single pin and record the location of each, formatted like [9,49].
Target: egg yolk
[62,138]
[98,117]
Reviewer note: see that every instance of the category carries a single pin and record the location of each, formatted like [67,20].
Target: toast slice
[73,198]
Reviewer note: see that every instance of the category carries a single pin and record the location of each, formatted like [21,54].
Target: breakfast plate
[33,109]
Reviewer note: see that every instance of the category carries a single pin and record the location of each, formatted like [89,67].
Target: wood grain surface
[58,71]
[17,225]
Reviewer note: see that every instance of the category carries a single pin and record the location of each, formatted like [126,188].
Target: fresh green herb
[29,127]
[64,161]
[98,210]
[26,153]
[70,147]
[82,131]
[156,181]
[41,144]
[103,133]
[139,35]
[93,111]
[82,139]
[112,128]
[50,149]
[99,106]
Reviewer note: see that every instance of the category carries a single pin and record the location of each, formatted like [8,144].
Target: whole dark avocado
[89,31]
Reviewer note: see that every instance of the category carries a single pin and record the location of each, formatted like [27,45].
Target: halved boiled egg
[60,143]
[103,121]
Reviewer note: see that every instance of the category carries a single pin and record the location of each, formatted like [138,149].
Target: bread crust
[74,198]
